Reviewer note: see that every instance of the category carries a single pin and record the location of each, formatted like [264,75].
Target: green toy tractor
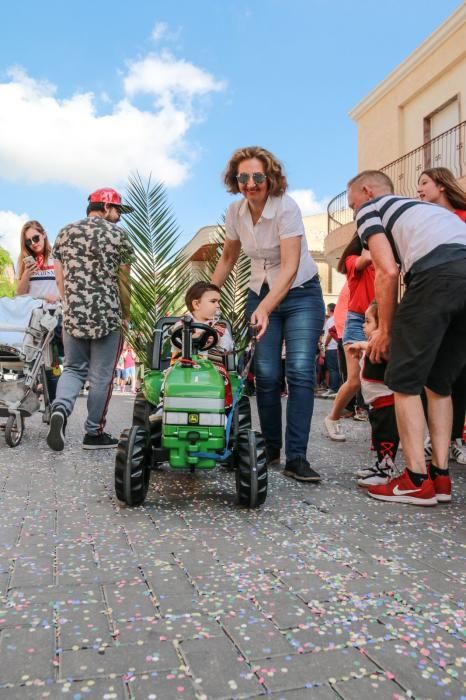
[179,417]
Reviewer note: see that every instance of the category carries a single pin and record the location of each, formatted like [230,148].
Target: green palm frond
[234,291]
[158,272]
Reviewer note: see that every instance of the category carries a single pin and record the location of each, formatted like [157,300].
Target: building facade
[414,119]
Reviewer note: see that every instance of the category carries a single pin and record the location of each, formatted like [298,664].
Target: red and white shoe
[442,486]
[402,490]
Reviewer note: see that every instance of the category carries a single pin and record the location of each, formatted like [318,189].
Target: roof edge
[427,47]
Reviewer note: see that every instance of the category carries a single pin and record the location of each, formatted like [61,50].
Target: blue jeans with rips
[298,320]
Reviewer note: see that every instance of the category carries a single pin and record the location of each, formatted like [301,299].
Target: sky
[91,93]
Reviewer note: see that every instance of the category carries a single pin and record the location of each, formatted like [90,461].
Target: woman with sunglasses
[439,186]
[36,272]
[36,278]
[284,300]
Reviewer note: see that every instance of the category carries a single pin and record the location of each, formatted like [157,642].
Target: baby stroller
[26,332]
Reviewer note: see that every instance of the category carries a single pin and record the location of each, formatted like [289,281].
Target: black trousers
[385,436]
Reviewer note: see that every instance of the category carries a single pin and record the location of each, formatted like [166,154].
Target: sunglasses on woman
[28,242]
[258,178]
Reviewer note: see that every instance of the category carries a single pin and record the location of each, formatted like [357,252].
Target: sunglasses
[28,242]
[258,178]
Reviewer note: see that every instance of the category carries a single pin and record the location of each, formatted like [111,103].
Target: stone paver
[321,593]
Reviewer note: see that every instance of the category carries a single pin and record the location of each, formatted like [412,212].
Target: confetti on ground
[321,593]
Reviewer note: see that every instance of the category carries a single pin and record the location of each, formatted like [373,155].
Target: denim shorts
[353,332]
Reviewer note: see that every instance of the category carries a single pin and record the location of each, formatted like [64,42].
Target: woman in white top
[284,299]
[36,277]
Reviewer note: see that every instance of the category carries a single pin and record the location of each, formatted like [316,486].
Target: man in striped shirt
[424,338]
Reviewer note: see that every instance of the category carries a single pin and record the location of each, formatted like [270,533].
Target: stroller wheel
[14,431]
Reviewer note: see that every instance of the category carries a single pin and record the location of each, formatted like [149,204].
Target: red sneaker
[402,490]
[442,486]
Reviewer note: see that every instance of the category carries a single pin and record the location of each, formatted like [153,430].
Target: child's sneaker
[442,483]
[458,451]
[402,490]
[379,475]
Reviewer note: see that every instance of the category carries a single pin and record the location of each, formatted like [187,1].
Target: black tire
[244,421]
[251,469]
[132,469]
[240,421]
[141,412]
[14,431]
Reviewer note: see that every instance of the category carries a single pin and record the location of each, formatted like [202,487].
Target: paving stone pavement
[321,594]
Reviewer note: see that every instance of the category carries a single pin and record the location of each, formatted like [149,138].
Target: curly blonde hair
[276,179]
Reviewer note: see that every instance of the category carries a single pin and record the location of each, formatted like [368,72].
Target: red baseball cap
[108,196]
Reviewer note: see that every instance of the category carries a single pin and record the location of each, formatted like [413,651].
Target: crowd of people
[399,362]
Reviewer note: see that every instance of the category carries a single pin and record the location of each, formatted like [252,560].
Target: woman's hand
[30,266]
[51,299]
[260,319]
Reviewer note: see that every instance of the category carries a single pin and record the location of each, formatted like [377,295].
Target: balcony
[446,150]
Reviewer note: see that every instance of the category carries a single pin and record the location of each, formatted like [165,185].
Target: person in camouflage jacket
[92,267]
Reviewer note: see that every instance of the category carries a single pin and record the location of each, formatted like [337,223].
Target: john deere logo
[193,419]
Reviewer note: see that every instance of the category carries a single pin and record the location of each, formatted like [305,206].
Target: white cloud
[167,78]
[10,228]
[161,31]
[47,138]
[308,203]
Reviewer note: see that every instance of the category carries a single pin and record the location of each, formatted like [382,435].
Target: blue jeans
[333,367]
[299,320]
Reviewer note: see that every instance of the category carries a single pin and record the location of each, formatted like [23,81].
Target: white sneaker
[381,474]
[367,471]
[458,451]
[334,429]
[329,394]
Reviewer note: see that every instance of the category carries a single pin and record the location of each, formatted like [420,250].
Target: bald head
[367,185]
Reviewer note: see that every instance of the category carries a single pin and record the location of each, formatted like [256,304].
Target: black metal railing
[446,150]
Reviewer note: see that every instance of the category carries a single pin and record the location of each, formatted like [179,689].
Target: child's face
[205,308]
[370,323]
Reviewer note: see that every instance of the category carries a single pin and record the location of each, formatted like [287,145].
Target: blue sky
[92,93]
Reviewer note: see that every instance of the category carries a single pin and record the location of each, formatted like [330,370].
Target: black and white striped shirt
[421,235]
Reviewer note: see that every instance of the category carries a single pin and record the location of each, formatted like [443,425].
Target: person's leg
[104,354]
[71,380]
[349,388]
[267,369]
[332,364]
[303,313]
[440,413]
[410,420]
[385,436]
[458,396]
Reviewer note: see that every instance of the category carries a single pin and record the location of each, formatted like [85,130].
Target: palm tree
[158,271]
[234,291]
[160,274]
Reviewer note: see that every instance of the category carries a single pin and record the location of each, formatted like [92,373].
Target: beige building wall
[391,118]
[332,281]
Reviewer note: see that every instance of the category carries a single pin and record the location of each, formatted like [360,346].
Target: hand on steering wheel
[207,339]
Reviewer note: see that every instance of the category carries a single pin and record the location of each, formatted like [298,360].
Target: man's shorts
[429,332]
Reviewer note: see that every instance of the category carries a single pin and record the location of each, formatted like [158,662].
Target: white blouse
[281,218]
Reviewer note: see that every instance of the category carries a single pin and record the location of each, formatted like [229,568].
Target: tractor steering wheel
[205,341]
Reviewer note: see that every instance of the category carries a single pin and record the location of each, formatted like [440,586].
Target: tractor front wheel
[251,469]
[132,466]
